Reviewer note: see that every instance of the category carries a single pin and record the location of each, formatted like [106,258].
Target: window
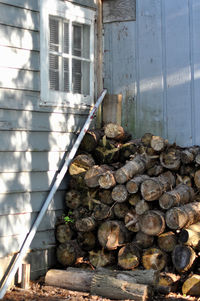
[67,54]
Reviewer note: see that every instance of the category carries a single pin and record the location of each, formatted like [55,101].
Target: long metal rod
[31,234]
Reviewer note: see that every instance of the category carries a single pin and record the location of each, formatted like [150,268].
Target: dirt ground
[39,291]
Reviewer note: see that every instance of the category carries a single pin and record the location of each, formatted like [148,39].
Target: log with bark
[191,236]
[152,222]
[154,258]
[183,258]
[129,256]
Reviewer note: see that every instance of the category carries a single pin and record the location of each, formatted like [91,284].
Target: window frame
[74,14]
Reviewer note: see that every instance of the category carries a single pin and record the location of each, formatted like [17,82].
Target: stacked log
[132,204]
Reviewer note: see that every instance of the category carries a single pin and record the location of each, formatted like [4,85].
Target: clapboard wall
[33,138]
[153,61]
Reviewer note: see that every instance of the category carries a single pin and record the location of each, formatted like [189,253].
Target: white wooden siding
[34,139]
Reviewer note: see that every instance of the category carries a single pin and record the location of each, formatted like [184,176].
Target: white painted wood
[19,79]
[13,203]
[30,4]
[19,58]
[42,240]
[30,161]
[15,224]
[19,38]
[27,181]
[18,17]
[38,121]
[29,101]
[34,141]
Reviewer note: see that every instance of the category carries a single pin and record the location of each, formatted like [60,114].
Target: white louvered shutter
[53,54]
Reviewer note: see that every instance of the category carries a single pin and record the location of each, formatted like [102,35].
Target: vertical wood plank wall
[155,65]
[33,139]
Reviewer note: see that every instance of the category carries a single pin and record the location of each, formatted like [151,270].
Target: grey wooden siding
[33,138]
[162,55]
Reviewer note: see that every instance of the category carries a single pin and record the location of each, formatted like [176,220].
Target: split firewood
[106,156]
[112,288]
[81,164]
[101,258]
[155,170]
[93,174]
[143,240]
[102,212]
[152,222]
[112,234]
[107,180]
[131,221]
[170,159]
[105,197]
[183,216]
[63,233]
[85,224]
[167,241]
[191,236]
[116,132]
[169,280]
[183,258]
[68,252]
[86,240]
[154,258]
[90,140]
[130,169]
[129,256]
[158,143]
[119,193]
[197,178]
[146,139]
[128,149]
[72,199]
[133,185]
[153,188]
[120,210]
[141,207]
[191,285]
[180,195]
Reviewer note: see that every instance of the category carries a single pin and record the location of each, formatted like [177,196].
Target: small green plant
[68,219]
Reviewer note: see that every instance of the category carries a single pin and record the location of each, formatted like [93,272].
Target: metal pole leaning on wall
[60,176]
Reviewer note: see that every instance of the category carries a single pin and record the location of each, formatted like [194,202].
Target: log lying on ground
[184,216]
[101,283]
[183,258]
[153,188]
[110,287]
[180,195]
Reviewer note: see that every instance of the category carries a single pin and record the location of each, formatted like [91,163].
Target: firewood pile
[133,204]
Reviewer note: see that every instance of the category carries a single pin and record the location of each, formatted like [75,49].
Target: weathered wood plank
[15,224]
[35,141]
[30,161]
[119,10]
[12,203]
[19,79]
[18,17]
[29,100]
[35,121]
[30,4]
[17,37]
[42,240]
[19,58]
[27,181]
